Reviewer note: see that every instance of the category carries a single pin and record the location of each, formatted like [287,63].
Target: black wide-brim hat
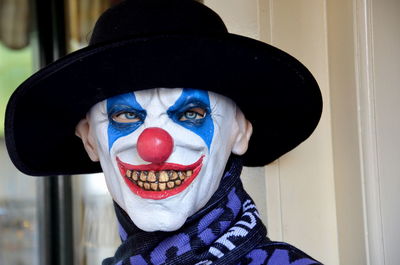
[144,44]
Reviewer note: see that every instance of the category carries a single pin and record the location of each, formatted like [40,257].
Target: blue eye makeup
[192,113]
[125,116]
[192,110]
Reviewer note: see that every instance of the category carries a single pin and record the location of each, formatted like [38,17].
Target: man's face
[163,151]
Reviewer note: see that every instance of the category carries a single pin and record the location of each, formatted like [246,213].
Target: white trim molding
[367,131]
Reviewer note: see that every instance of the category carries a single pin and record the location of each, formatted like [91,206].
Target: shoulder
[277,253]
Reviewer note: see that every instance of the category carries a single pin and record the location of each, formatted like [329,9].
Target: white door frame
[368,135]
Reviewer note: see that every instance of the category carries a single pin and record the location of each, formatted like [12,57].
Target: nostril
[155,145]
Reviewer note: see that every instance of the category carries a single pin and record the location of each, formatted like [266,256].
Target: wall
[345,131]
[383,182]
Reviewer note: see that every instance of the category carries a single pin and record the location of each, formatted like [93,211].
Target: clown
[157,151]
[172,106]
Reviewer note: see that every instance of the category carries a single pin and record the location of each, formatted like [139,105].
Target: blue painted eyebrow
[127,99]
[190,97]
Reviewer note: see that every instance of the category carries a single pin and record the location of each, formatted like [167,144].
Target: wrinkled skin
[196,132]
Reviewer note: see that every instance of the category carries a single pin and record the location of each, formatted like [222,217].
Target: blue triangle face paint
[127,105]
[182,113]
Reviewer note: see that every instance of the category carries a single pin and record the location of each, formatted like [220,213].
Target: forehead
[164,96]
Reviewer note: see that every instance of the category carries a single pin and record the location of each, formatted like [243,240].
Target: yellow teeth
[161,186]
[143,176]
[163,177]
[158,180]
[151,177]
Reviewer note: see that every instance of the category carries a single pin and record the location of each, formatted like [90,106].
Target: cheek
[224,134]
[100,135]
[205,131]
[126,148]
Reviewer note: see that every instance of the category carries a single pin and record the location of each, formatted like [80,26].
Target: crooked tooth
[163,176]
[151,177]
[140,184]
[135,175]
[181,175]
[154,186]
[146,186]
[128,173]
[173,175]
[189,173]
[162,186]
[143,175]
[178,182]
[170,184]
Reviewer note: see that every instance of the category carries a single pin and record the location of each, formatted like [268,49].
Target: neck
[229,223]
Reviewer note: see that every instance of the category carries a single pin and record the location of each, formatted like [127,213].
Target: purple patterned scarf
[228,230]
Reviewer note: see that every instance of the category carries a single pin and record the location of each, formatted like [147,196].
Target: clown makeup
[163,151]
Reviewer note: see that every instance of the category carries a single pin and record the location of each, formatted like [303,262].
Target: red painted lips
[159,181]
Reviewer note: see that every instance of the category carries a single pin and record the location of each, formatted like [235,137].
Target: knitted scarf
[228,230]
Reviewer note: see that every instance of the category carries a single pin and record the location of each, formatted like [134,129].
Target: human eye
[126,116]
[192,114]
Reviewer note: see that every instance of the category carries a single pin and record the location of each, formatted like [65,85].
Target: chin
[160,222]
[158,217]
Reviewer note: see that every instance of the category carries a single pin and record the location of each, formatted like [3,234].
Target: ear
[242,138]
[82,130]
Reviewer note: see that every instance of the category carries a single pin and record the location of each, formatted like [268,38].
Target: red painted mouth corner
[159,181]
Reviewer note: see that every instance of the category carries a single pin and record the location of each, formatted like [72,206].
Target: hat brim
[277,94]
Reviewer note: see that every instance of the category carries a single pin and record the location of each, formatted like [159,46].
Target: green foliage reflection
[15,67]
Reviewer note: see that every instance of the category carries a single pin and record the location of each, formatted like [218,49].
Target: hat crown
[152,17]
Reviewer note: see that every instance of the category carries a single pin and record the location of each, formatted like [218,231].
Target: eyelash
[126,113]
[198,115]
[121,116]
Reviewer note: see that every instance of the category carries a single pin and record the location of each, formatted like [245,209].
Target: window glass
[18,219]
[15,66]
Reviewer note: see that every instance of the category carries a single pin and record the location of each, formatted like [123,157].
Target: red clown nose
[155,145]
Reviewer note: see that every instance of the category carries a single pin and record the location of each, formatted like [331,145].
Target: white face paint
[163,151]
